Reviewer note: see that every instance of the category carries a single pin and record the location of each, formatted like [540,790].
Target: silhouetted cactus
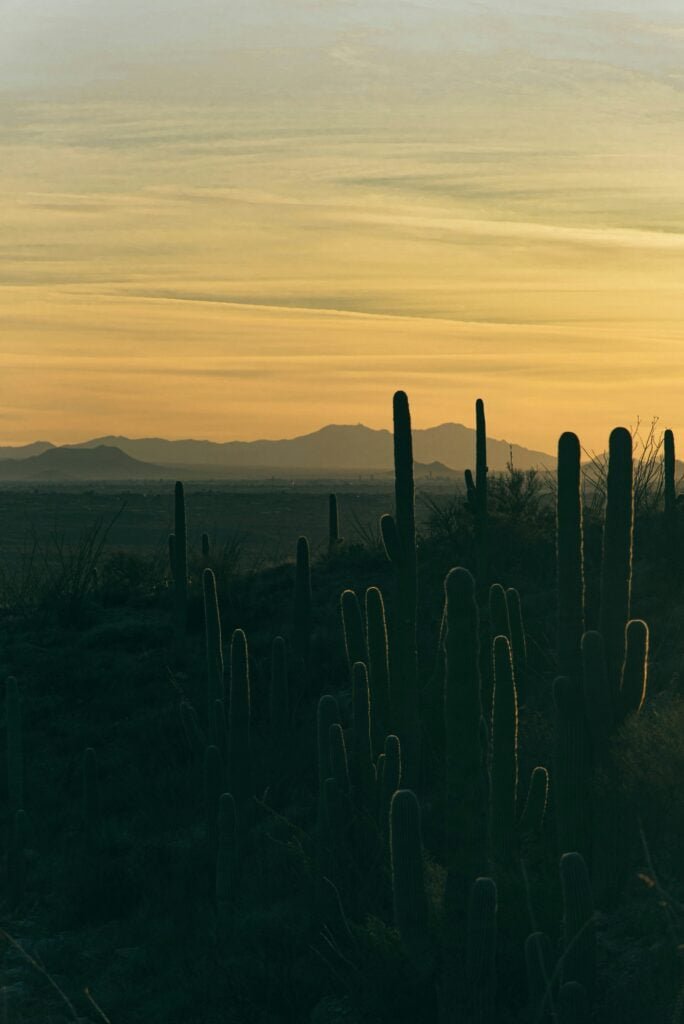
[337,751]
[669,488]
[301,622]
[539,967]
[327,715]
[389,780]
[499,623]
[518,643]
[333,523]
[467,779]
[471,491]
[481,471]
[15,746]
[569,557]
[504,770]
[239,747]
[411,911]
[579,930]
[361,768]
[573,1004]
[399,536]
[480,973]
[354,635]
[572,768]
[634,680]
[532,818]
[378,666]
[616,563]
[214,652]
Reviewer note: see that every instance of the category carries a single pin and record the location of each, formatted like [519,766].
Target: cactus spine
[504,778]
[411,913]
[569,557]
[399,535]
[467,780]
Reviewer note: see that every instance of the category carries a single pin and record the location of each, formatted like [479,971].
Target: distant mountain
[24,451]
[332,448]
[66,464]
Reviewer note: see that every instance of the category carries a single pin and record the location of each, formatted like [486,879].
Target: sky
[240,219]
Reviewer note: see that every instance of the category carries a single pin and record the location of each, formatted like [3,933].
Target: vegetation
[439,781]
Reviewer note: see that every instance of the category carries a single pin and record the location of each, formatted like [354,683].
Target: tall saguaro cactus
[301,619]
[239,749]
[504,753]
[616,564]
[467,777]
[178,549]
[481,471]
[570,565]
[214,650]
[399,535]
[378,666]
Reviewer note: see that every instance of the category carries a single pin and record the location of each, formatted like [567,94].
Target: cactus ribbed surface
[504,777]
[569,557]
[354,634]
[579,930]
[378,666]
[239,748]
[572,768]
[480,991]
[301,620]
[634,681]
[467,780]
[411,911]
[214,652]
[616,563]
[15,746]
[399,535]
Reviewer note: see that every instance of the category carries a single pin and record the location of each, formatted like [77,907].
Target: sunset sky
[249,218]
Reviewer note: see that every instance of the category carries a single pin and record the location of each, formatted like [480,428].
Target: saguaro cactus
[301,627]
[572,768]
[569,557]
[411,912]
[179,552]
[362,768]
[504,753]
[467,778]
[579,932]
[634,680]
[214,650]
[669,490]
[616,563]
[480,993]
[354,635]
[378,666]
[239,749]
[518,643]
[399,535]
[480,497]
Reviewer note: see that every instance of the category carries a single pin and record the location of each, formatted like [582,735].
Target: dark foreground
[134,891]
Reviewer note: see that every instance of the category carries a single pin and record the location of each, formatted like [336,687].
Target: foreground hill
[63,464]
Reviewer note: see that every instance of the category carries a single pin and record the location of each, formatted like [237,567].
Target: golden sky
[266,218]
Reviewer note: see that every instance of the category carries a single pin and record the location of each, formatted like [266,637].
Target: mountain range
[439,451]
